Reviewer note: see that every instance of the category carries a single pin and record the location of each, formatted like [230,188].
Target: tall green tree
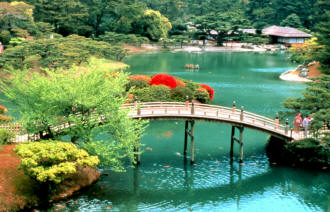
[67,16]
[58,53]
[152,25]
[315,102]
[292,21]
[220,26]
[16,20]
[324,40]
[82,103]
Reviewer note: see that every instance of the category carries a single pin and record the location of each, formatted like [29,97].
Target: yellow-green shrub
[50,161]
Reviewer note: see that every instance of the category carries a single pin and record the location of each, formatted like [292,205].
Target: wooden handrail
[182,109]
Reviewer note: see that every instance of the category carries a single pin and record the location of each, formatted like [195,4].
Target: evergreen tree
[292,21]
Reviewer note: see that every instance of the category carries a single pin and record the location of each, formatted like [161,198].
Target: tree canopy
[86,99]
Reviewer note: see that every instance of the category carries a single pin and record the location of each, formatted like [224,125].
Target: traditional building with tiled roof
[286,35]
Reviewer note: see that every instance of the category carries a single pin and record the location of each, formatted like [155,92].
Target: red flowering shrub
[202,95]
[112,74]
[4,118]
[140,77]
[3,109]
[163,79]
[180,83]
[209,89]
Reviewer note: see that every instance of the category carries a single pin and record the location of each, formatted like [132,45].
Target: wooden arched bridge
[191,112]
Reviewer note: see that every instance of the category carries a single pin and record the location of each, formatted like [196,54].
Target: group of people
[300,122]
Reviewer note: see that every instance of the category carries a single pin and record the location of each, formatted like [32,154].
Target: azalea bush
[202,95]
[209,90]
[180,94]
[4,118]
[51,161]
[146,89]
[155,93]
[180,83]
[136,84]
[145,78]
[163,79]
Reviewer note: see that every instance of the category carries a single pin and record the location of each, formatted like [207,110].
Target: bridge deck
[215,113]
[194,111]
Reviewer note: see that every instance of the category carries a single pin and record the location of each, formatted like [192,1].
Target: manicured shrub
[137,84]
[5,136]
[180,94]
[180,83]
[140,77]
[51,161]
[153,93]
[191,85]
[5,119]
[202,95]
[163,79]
[3,109]
[306,153]
[209,89]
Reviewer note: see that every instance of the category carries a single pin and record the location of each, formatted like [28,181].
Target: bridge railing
[207,111]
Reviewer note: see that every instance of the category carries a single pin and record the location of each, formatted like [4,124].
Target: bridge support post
[241,129]
[192,159]
[190,133]
[239,141]
[232,142]
[185,138]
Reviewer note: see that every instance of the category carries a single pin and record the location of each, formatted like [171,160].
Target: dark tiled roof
[285,32]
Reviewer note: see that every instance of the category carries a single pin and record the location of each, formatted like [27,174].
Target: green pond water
[166,182]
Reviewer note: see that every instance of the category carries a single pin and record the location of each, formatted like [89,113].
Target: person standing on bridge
[305,124]
[277,121]
[297,122]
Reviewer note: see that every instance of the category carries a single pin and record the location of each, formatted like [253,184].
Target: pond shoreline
[228,47]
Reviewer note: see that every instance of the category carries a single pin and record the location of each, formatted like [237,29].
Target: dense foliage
[123,19]
[209,90]
[117,38]
[58,52]
[163,79]
[50,161]
[85,101]
[307,153]
[4,118]
[164,87]
[305,54]
[315,102]
[5,136]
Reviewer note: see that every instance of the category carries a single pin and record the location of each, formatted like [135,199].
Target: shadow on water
[238,190]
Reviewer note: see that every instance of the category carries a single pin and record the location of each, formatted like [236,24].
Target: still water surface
[165,182]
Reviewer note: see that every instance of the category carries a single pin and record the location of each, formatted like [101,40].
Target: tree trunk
[220,37]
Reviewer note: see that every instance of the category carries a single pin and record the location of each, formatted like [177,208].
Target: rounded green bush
[51,161]
[180,94]
[153,93]
[5,136]
[202,95]
[137,84]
